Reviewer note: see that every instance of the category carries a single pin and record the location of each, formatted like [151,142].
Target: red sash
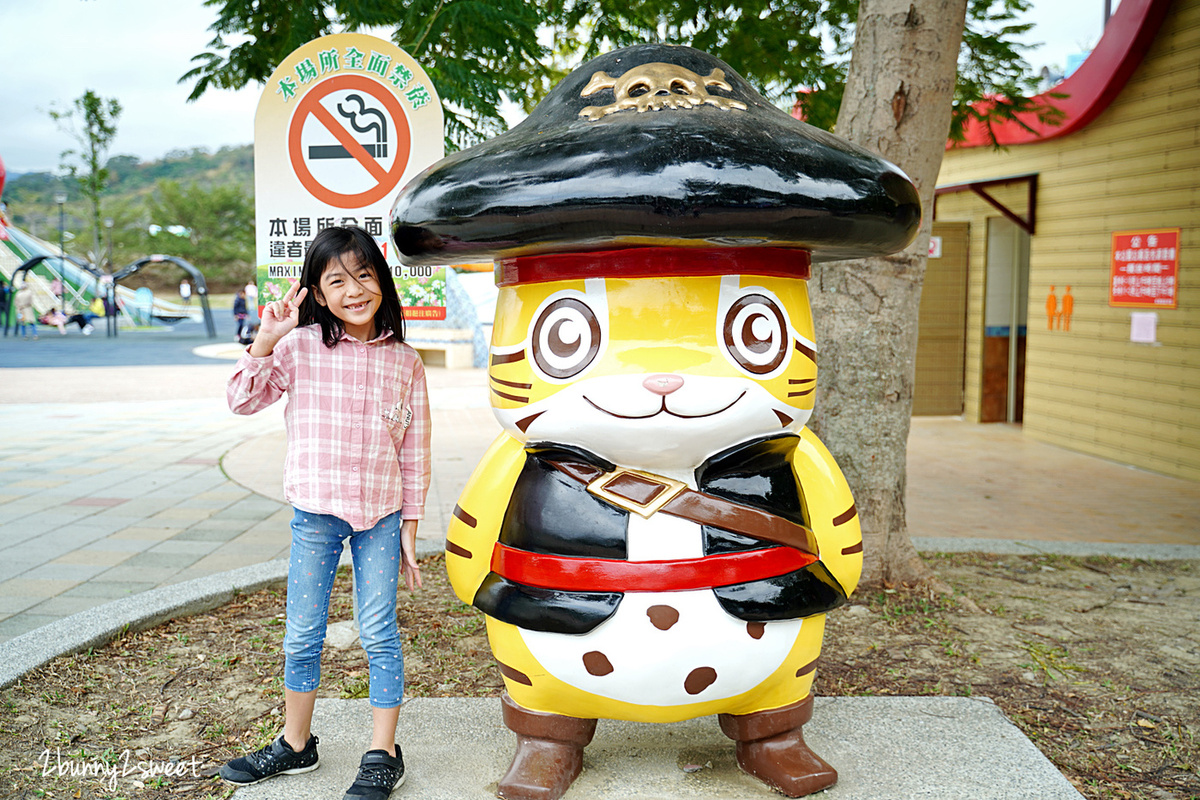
[611,575]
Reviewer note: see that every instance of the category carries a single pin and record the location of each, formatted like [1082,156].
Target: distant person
[239,315]
[84,320]
[252,303]
[97,307]
[58,319]
[26,320]
[357,474]
[185,292]
[5,296]
[56,288]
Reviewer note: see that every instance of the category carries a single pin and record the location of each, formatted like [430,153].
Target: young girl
[357,469]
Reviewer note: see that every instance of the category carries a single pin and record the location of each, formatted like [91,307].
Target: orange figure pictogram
[1051,309]
[1068,306]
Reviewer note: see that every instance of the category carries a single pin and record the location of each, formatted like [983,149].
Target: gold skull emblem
[655,86]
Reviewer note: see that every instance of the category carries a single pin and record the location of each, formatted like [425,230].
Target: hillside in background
[206,198]
[132,177]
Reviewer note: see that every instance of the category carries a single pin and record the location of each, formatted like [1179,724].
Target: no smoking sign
[349,141]
[342,123]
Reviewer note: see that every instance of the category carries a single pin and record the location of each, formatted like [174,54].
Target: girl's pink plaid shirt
[357,422]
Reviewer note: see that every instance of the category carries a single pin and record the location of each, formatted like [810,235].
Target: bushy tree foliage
[210,228]
[799,50]
[478,53]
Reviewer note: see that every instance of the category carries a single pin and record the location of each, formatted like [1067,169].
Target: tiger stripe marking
[806,351]
[507,358]
[458,550]
[512,397]
[514,675]
[512,384]
[523,424]
[807,668]
[852,549]
[847,515]
[464,516]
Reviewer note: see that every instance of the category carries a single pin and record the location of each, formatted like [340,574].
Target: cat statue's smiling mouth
[664,410]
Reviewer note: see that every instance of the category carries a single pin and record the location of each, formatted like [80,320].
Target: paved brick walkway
[104,494]
[103,500]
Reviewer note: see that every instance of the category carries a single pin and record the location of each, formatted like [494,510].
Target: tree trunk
[897,103]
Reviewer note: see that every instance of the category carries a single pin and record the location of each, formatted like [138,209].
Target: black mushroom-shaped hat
[655,145]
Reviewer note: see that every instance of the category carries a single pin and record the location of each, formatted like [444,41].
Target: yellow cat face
[655,373]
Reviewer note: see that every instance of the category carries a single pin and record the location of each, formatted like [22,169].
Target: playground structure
[26,258]
[460,340]
[37,263]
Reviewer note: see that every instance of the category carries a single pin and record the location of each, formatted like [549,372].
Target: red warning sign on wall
[1145,268]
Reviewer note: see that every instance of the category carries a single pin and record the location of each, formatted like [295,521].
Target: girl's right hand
[279,318]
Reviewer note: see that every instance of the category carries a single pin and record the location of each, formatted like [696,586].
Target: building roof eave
[1090,89]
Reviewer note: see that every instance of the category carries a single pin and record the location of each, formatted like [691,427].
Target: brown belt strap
[645,493]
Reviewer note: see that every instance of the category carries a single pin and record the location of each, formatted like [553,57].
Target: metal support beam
[1027,223]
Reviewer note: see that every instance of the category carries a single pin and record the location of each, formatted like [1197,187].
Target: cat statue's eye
[565,338]
[755,334]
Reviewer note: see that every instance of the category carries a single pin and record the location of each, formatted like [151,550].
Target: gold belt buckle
[643,493]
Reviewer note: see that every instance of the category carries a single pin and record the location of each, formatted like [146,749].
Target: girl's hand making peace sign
[279,317]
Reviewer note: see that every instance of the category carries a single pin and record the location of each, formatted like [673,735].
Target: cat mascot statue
[655,536]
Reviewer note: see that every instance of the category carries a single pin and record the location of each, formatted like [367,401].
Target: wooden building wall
[1137,166]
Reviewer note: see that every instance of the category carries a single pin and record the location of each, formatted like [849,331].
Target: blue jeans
[316,547]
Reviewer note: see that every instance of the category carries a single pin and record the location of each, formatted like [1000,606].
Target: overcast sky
[136,51]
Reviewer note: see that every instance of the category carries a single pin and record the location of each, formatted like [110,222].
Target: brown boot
[549,752]
[771,747]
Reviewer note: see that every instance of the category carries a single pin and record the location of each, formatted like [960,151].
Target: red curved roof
[1093,86]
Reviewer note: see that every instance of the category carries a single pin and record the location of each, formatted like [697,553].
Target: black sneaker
[277,758]
[378,775]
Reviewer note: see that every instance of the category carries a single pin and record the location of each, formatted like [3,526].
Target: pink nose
[663,384]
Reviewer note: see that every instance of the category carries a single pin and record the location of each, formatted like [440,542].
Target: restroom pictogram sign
[349,141]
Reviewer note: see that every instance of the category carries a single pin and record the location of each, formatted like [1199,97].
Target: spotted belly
[667,649]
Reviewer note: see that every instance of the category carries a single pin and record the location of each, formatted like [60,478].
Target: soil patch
[1097,660]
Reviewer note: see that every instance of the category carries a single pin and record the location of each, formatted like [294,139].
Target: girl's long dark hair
[330,245]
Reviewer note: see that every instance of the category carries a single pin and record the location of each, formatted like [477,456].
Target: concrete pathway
[897,748]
